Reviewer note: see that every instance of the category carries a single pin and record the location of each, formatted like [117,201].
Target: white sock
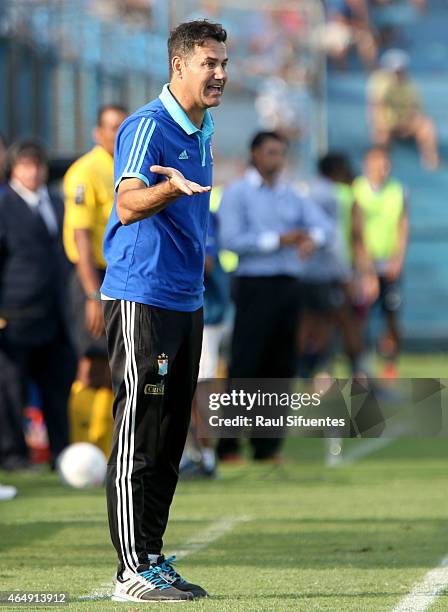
[153,558]
[208,458]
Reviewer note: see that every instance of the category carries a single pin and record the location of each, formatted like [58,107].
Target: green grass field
[260,538]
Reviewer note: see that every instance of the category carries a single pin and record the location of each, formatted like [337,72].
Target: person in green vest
[335,279]
[383,202]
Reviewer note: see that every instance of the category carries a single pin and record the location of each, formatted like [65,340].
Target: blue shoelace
[167,567]
[153,577]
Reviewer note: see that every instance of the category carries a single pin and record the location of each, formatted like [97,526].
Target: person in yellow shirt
[89,196]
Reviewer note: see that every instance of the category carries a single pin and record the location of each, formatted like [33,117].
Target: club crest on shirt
[80,194]
[162,361]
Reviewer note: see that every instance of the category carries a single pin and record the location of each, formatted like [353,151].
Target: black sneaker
[147,584]
[175,579]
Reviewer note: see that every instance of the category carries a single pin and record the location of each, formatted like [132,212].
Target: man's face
[105,133]
[269,158]
[204,74]
[377,166]
[30,173]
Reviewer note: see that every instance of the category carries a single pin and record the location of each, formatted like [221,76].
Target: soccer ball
[82,465]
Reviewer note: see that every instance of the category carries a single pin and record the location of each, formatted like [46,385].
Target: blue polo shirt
[159,261]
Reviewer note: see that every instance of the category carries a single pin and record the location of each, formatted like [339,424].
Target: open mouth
[216,89]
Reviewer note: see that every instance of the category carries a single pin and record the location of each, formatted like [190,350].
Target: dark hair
[30,149]
[335,164]
[119,108]
[261,137]
[183,39]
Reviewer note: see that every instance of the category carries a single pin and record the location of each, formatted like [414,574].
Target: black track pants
[264,342]
[154,357]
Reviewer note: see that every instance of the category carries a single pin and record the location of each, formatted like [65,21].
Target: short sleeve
[377,86]
[80,203]
[137,148]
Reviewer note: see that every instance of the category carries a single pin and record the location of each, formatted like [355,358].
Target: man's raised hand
[178,181]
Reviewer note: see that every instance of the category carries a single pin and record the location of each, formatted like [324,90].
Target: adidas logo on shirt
[183,155]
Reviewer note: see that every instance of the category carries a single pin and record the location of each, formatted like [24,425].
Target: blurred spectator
[384,203]
[396,109]
[349,26]
[212,10]
[216,302]
[389,16]
[89,196]
[268,44]
[328,275]
[271,228]
[13,447]
[207,9]
[138,12]
[419,4]
[291,20]
[278,107]
[33,275]
[199,456]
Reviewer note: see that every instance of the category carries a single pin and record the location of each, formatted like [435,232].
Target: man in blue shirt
[272,228]
[155,249]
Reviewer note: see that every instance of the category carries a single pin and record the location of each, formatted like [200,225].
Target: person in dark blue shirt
[154,248]
[35,341]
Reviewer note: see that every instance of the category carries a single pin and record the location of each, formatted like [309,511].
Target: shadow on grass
[44,484]
[259,475]
[308,543]
[27,534]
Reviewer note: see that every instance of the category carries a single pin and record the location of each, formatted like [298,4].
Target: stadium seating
[426,277]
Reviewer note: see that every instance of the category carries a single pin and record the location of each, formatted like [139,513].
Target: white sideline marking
[365,448]
[201,540]
[210,534]
[369,446]
[426,592]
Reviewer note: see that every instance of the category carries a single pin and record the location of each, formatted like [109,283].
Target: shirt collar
[255,179]
[32,198]
[376,188]
[101,151]
[180,116]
